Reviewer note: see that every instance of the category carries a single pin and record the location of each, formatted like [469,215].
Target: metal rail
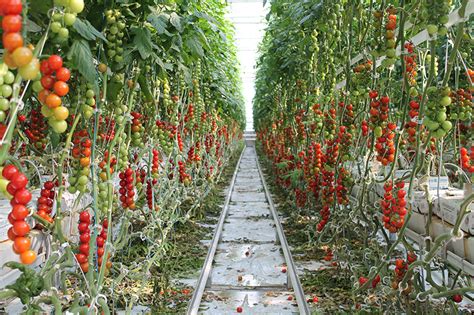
[193,307]
[291,270]
[293,279]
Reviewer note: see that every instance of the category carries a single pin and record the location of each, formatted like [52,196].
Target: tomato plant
[97,114]
[359,111]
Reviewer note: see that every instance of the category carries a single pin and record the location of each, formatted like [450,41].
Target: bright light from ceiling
[248,17]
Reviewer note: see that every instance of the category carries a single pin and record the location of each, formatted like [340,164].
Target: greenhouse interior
[236,156]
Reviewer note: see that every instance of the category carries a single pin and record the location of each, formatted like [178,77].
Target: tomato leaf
[159,22]
[142,42]
[194,46]
[81,56]
[87,31]
[175,20]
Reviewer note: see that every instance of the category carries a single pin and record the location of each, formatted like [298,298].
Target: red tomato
[84,216]
[11,23]
[47,82]
[63,74]
[85,238]
[19,181]
[21,228]
[13,7]
[28,257]
[55,62]
[61,88]
[22,196]
[84,248]
[19,212]
[21,244]
[12,41]
[9,171]
[81,258]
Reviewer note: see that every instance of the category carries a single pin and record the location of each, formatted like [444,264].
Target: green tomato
[9,77]
[445,101]
[58,126]
[76,6]
[378,131]
[391,53]
[3,185]
[88,113]
[72,189]
[85,171]
[3,69]
[82,189]
[440,133]
[103,195]
[4,104]
[55,27]
[3,116]
[90,93]
[57,17]
[431,125]
[82,180]
[6,90]
[37,87]
[442,31]
[447,125]
[63,33]
[69,19]
[441,117]
[114,30]
[432,29]
[46,111]
[72,180]
[31,70]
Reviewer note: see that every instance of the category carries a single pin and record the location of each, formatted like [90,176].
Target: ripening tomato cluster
[390,39]
[379,109]
[101,240]
[375,281]
[107,129]
[189,117]
[299,119]
[155,163]
[45,201]
[84,238]
[342,184]
[16,54]
[137,129]
[401,267]
[410,63]
[54,87]
[35,128]
[62,19]
[466,158]
[127,189]
[385,145]
[463,107]
[81,161]
[365,128]
[166,134]
[193,155]
[393,206]
[183,176]
[18,233]
[411,125]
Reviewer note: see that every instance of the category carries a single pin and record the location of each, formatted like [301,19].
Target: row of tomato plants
[118,124]
[394,111]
